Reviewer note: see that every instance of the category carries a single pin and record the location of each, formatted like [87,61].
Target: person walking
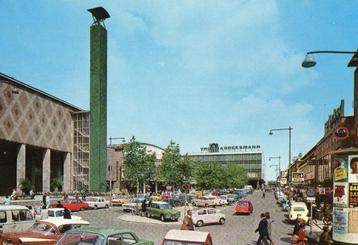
[301,238]
[66,214]
[188,221]
[47,200]
[59,204]
[263,230]
[269,227]
[144,207]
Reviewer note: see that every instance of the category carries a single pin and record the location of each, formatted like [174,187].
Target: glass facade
[250,161]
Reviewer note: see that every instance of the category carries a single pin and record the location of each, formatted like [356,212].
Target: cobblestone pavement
[238,229]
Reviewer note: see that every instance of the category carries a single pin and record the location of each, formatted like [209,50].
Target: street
[238,229]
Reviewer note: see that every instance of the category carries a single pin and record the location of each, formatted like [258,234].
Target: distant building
[248,157]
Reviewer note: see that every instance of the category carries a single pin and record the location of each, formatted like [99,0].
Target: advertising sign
[353,168]
[340,194]
[298,178]
[353,221]
[311,192]
[353,195]
[341,172]
[340,133]
[340,221]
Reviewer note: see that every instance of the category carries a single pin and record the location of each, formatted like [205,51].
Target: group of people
[299,234]
[264,230]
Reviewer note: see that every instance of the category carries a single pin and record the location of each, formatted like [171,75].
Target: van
[184,237]
[15,218]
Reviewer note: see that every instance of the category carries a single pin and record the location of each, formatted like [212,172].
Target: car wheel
[222,221]
[147,214]
[206,205]
[199,223]
[107,206]
[162,217]
[95,207]
[81,209]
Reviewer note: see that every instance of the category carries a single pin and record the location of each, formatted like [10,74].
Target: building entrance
[8,156]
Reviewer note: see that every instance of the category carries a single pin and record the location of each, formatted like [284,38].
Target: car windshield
[42,228]
[81,238]
[58,213]
[165,206]
[245,204]
[299,209]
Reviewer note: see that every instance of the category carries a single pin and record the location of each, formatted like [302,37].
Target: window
[211,211]
[15,215]
[202,212]
[128,238]
[25,215]
[3,218]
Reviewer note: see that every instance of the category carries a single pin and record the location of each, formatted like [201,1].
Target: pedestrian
[44,200]
[297,226]
[263,230]
[47,200]
[269,227]
[325,238]
[263,194]
[144,207]
[301,238]
[66,214]
[7,201]
[188,221]
[13,194]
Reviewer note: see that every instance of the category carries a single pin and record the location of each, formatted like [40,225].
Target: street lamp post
[309,61]
[289,129]
[110,166]
[279,168]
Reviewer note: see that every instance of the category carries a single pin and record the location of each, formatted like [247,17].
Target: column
[46,171]
[67,173]
[20,166]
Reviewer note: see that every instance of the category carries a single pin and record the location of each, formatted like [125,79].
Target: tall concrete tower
[98,100]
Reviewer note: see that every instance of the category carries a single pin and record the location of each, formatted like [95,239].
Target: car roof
[159,202]
[244,200]
[56,209]
[12,207]
[59,222]
[298,204]
[184,235]
[107,231]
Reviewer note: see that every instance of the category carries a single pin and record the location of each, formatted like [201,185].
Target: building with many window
[248,157]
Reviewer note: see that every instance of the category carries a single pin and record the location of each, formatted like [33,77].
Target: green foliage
[56,183]
[215,175]
[26,185]
[175,169]
[139,166]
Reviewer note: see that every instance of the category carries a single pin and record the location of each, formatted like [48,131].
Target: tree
[236,176]
[139,166]
[210,175]
[175,169]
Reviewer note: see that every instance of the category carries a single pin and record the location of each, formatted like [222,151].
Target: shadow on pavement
[285,240]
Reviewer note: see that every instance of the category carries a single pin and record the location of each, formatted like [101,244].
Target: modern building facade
[37,137]
[249,157]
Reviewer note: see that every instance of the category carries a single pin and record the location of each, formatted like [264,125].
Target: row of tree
[140,167]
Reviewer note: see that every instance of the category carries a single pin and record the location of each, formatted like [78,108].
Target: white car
[97,202]
[298,210]
[208,216]
[58,213]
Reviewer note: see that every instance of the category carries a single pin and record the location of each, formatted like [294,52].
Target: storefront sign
[340,196]
[340,172]
[311,192]
[353,195]
[353,168]
[298,178]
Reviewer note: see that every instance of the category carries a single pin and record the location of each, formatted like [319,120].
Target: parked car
[298,209]
[58,213]
[102,236]
[133,205]
[42,232]
[229,199]
[119,201]
[73,204]
[15,218]
[222,200]
[206,201]
[208,216]
[183,237]
[240,193]
[163,211]
[244,206]
[97,202]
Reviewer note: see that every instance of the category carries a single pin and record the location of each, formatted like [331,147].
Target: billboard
[298,178]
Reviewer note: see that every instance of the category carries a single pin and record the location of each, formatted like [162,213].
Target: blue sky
[194,72]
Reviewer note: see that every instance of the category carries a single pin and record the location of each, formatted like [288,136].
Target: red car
[74,204]
[244,206]
[42,232]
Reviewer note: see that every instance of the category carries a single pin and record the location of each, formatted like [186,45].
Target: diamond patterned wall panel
[31,118]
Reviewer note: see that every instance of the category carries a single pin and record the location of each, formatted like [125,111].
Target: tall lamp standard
[289,129]
[110,165]
[279,167]
[309,61]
